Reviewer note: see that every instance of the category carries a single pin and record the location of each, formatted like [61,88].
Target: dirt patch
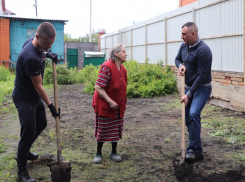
[151,143]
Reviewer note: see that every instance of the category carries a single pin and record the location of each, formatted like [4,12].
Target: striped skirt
[108,129]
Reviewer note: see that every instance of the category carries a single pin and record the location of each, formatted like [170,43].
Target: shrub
[149,80]
[64,75]
[4,74]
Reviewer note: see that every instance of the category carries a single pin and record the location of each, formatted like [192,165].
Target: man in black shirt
[29,94]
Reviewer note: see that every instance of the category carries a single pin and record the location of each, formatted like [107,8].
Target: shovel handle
[57,119]
[183,115]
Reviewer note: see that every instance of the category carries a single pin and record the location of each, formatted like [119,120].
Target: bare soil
[150,145]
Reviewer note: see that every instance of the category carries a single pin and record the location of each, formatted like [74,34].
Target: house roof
[8,16]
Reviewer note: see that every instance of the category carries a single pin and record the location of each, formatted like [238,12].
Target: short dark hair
[46,28]
[191,27]
[188,24]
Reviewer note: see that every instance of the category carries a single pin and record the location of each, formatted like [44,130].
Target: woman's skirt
[108,129]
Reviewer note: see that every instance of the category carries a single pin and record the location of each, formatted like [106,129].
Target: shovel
[183,153]
[60,171]
[182,160]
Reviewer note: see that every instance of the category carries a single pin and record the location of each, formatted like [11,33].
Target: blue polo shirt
[30,62]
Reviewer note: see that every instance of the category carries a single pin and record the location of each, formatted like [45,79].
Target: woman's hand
[113,105]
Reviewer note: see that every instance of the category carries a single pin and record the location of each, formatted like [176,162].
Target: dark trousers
[33,121]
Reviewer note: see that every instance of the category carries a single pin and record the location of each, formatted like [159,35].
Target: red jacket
[116,90]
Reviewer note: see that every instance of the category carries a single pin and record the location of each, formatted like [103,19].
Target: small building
[74,52]
[15,30]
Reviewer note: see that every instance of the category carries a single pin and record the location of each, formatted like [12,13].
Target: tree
[95,37]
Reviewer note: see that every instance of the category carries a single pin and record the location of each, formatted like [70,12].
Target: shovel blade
[61,172]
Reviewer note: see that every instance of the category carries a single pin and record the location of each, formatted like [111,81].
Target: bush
[149,80]
[64,75]
[4,74]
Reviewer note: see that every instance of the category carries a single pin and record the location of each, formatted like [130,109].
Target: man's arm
[37,83]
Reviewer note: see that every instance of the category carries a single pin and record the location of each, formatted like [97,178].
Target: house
[14,30]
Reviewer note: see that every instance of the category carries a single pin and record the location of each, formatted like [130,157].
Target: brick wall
[226,78]
[4,42]
[185,2]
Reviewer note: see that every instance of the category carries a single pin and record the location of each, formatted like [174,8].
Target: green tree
[95,37]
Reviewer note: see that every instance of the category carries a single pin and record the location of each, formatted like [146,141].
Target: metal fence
[220,25]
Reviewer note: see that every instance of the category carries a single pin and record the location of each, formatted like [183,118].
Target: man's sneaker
[191,157]
[98,159]
[23,176]
[115,157]
[31,156]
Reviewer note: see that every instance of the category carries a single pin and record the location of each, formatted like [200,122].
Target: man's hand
[53,110]
[113,105]
[181,70]
[52,56]
[184,99]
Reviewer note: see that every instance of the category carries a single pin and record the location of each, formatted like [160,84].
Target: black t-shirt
[30,62]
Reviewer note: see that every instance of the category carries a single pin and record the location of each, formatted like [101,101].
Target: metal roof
[30,18]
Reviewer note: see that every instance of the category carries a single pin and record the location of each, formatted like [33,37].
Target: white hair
[115,49]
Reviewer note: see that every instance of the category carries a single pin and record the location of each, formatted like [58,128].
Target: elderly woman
[109,102]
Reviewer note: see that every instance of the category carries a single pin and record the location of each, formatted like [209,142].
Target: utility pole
[35,5]
[90,34]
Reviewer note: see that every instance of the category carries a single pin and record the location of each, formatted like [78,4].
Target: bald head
[47,29]
[191,27]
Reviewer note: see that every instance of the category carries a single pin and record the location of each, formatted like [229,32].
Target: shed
[74,52]
[15,30]
[94,58]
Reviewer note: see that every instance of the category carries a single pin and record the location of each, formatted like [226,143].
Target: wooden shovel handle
[57,119]
[183,114]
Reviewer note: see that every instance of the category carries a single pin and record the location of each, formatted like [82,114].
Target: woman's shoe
[115,157]
[98,159]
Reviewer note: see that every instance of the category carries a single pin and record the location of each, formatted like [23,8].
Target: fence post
[105,45]
[244,40]
[121,37]
[131,44]
[145,43]
[111,40]
[193,15]
[165,43]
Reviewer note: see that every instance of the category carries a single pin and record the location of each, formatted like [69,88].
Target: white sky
[110,15]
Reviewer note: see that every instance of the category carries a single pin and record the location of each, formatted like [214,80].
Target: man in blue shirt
[29,94]
[194,60]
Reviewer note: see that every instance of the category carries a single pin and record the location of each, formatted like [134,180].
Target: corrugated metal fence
[220,25]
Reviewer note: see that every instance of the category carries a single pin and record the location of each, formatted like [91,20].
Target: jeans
[33,121]
[192,116]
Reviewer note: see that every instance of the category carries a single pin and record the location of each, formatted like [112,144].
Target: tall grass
[6,83]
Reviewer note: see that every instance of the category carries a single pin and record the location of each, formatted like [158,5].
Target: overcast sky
[110,15]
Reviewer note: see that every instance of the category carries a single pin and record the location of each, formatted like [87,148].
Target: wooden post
[244,39]
[165,44]
[193,15]
[105,46]
[131,44]
[145,43]
[121,37]
[111,40]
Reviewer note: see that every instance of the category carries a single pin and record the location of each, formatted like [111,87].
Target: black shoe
[31,156]
[191,157]
[23,176]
